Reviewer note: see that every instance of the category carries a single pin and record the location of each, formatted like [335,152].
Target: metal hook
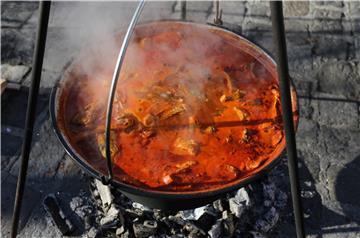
[183,9]
[218,13]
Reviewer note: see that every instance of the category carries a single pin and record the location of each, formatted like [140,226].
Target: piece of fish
[185,147]
[174,110]
[178,171]
[102,144]
[242,114]
[128,122]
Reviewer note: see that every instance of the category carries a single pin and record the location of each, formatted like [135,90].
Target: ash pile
[252,211]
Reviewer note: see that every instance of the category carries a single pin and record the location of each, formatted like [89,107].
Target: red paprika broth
[195,109]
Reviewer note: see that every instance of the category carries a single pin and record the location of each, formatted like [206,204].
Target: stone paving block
[335,113]
[61,46]
[31,198]
[17,46]
[4,175]
[40,225]
[299,49]
[295,25]
[337,146]
[258,9]
[16,13]
[233,7]
[68,168]
[338,4]
[45,155]
[13,110]
[10,146]
[259,31]
[339,77]
[354,10]
[161,10]
[14,73]
[325,26]
[197,11]
[335,46]
[296,8]
[357,47]
[307,134]
[328,15]
[48,80]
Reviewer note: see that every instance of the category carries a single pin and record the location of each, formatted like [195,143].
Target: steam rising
[90,27]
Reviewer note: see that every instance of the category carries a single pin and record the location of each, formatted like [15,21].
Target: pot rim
[169,194]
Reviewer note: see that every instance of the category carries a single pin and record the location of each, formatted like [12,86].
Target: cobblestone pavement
[324,51]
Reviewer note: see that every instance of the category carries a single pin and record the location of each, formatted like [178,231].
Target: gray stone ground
[324,51]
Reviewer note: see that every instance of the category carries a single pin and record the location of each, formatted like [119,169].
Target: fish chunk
[175,110]
[150,120]
[180,169]
[242,114]
[85,117]
[238,94]
[226,98]
[128,122]
[185,147]
[210,130]
[229,171]
[101,141]
[185,166]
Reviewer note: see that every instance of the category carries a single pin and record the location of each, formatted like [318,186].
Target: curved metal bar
[115,78]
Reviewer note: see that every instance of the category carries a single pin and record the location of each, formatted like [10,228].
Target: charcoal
[308,194]
[281,199]
[198,212]
[270,219]
[158,214]
[120,230]
[105,233]
[105,193]
[216,229]
[177,220]
[57,214]
[228,224]
[111,216]
[206,221]
[145,229]
[236,207]
[267,203]
[196,234]
[151,224]
[242,196]
[256,210]
[187,214]
[257,234]
[272,216]
[141,207]
[133,213]
[191,227]
[219,205]
[269,191]
[126,234]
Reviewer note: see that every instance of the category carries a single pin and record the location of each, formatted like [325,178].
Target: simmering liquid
[194,110]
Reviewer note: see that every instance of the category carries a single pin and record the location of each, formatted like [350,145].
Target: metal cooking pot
[160,199]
